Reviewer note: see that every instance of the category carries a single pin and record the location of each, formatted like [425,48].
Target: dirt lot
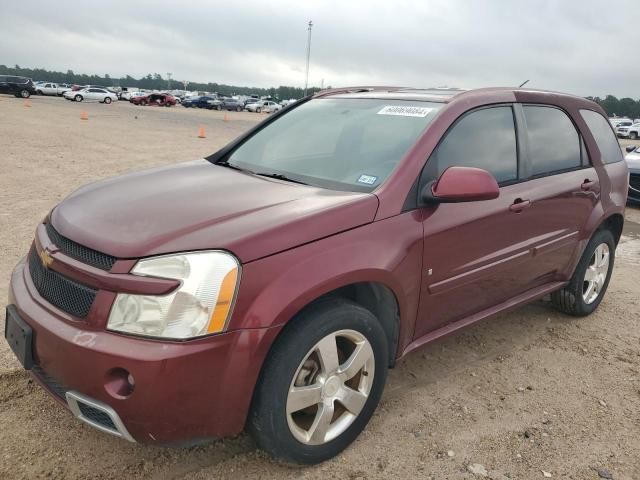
[527,392]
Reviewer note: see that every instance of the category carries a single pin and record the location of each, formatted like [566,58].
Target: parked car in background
[198,102]
[225,104]
[616,122]
[249,101]
[633,162]
[264,107]
[93,94]
[16,86]
[51,89]
[271,286]
[131,95]
[622,128]
[631,132]
[154,99]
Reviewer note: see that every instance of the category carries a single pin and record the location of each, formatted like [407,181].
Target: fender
[274,289]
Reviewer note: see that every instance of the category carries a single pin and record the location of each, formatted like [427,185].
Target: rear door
[563,188]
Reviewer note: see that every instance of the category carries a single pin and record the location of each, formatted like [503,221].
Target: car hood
[197,205]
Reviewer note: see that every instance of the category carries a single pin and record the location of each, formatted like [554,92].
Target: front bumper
[184,391]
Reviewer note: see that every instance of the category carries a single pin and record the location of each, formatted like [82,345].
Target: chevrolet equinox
[270,286]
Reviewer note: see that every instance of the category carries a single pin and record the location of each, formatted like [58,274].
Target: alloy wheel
[596,274]
[330,387]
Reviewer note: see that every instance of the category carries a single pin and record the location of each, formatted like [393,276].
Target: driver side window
[484,139]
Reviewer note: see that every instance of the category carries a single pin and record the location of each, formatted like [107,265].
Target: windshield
[342,144]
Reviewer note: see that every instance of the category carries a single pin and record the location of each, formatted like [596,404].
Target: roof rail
[336,91]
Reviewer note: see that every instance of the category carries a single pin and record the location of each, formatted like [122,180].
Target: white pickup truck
[49,88]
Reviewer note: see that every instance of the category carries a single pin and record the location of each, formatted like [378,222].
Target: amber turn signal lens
[223,304]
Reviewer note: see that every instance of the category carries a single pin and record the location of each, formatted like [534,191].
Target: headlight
[201,305]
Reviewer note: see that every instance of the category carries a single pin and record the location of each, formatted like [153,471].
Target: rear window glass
[604,136]
[554,143]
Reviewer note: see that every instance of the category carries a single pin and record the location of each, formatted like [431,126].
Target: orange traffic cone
[84,116]
[27,103]
[226,117]
[201,133]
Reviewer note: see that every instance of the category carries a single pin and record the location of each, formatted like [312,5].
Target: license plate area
[19,336]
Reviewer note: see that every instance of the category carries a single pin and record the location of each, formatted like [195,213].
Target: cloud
[583,47]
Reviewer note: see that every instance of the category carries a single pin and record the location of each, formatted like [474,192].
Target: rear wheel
[218,107]
[633,135]
[24,93]
[238,108]
[258,110]
[321,383]
[590,279]
[107,100]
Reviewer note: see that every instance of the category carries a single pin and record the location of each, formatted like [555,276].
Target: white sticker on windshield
[367,179]
[405,111]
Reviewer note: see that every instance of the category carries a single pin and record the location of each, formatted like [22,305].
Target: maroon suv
[272,285]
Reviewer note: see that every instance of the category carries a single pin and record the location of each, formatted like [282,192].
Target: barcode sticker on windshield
[405,111]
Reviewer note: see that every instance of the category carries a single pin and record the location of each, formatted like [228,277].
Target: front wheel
[258,110]
[633,136]
[107,100]
[321,383]
[238,109]
[78,98]
[590,279]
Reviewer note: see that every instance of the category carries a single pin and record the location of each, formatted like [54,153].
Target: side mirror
[462,184]
[630,148]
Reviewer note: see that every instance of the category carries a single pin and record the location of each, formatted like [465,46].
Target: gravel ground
[525,393]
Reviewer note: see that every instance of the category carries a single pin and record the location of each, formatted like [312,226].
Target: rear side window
[604,136]
[484,139]
[554,143]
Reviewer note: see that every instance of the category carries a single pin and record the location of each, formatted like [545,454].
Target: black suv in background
[18,86]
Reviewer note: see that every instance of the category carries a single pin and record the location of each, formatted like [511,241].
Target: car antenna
[523,83]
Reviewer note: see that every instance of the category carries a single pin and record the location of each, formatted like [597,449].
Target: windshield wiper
[224,163]
[279,176]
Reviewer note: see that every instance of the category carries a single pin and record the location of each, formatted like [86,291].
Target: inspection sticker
[367,179]
[405,111]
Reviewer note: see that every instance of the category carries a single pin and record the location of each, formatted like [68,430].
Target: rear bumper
[183,391]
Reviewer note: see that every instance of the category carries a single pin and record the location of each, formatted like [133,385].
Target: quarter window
[604,136]
[554,143]
[484,139]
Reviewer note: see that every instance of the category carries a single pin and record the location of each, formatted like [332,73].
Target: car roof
[447,94]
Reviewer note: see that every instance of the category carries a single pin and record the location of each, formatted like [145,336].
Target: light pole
[169,80]
[306,78]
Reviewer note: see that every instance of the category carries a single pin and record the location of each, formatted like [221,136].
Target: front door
[476,254]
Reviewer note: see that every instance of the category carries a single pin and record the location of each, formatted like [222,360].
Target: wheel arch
[613,223]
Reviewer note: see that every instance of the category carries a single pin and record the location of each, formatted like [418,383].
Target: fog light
[119,383]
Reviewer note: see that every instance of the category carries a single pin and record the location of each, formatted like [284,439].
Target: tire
[39,92]
[258,110]
[633,136]
[24,93]
[143,103]
[218,107]
[78,98]
[294,362]
[582,296]
[238,109]
[107,100]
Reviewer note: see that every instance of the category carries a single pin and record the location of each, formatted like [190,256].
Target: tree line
[152,81]
[623,107]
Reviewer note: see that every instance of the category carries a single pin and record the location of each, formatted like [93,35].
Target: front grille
[97,416]
[51,383]
[79,252]
[60,291]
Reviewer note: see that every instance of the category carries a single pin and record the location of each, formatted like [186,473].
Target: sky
[584,47]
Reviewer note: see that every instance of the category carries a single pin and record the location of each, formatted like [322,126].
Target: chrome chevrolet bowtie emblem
[45,258]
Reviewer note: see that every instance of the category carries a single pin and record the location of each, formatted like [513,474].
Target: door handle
[587,185]
[519,205]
